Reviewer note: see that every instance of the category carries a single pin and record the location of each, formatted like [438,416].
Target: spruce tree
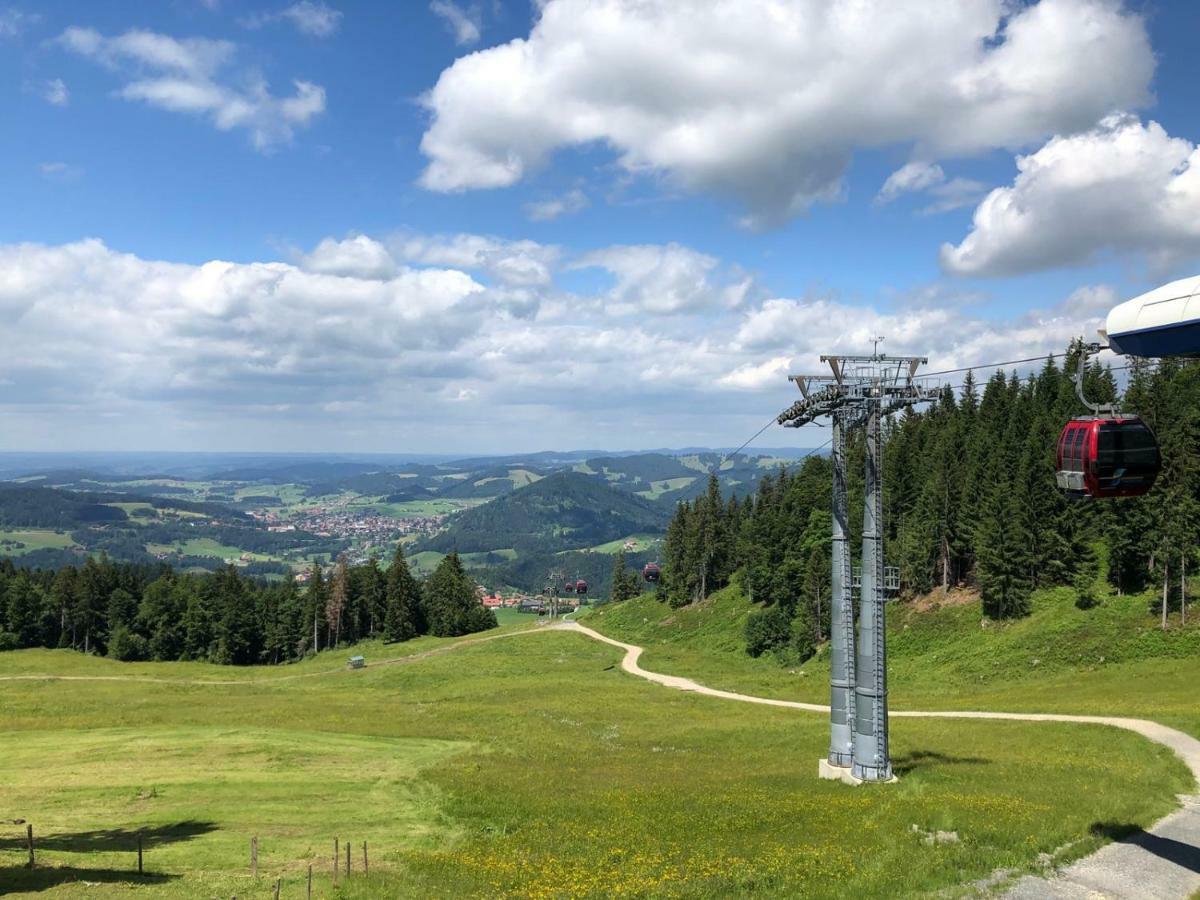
[403,618]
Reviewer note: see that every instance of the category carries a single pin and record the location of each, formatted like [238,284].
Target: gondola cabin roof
[1161,322]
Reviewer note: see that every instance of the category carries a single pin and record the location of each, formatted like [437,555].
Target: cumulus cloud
[766,102]
[412,355]
[515,263]
[189,76]
[358,257]
[1121,187]
[464,22]
[572,201]
[664,279]
[311,17]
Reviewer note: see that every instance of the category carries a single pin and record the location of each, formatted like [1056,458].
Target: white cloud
[465,23]
[913,176]
[358,257]
[573,201]
[765,102]
[186,76]
[512,263]
[1121,187]
[311,17]
[55,92]
[663,279]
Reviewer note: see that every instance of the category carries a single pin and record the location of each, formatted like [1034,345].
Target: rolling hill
[564,511]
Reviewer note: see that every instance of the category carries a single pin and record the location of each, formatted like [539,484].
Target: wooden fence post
[278,882]
[29,840]
[139,853]
[337,853]
[347,859]
[366,868]
[309,881]
[254,856]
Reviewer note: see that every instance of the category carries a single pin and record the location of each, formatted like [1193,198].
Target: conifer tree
[404,618]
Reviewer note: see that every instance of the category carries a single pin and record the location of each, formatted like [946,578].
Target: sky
[505,226]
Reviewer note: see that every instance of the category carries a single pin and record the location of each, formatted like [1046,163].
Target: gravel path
[1161,863]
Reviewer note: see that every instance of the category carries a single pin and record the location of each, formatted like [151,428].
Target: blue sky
[599,224]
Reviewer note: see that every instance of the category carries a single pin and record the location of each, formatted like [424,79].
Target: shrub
[127,646]
[768,629]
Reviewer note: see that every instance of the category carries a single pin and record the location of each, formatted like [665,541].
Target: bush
[768,629]
[127,646]
[8,641]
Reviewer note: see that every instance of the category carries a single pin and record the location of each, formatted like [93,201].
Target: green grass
[204,547]
[426,560]
[529,766]
[412,509]
[658,488]
[32,539]
[642,542]
[1112,659]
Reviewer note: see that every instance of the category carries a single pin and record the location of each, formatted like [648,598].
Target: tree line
[970,500]
[132,611]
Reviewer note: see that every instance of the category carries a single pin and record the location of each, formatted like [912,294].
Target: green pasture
[204,547]
[642,543]
[526,766]
[33,539]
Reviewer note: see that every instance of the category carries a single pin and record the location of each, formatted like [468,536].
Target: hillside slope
[564,511]
[1111,659]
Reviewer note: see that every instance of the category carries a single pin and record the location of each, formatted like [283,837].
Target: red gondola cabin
[651,572]
[1107,456]
[581,587]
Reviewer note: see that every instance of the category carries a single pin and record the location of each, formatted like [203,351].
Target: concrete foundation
[837,773]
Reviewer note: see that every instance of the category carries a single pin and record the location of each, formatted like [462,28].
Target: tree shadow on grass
[23,880]
[111,840]
[48,874]
[926,759]
[1184,855]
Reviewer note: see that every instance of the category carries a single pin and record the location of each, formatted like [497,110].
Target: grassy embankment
[527,766]
[1113,659]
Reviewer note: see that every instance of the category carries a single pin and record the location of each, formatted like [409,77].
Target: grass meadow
[528,765]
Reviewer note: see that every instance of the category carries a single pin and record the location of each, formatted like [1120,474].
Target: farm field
[467,776]
[32,539]
[204,547]
[411,509]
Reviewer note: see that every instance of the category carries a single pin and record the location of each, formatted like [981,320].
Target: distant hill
[563,511]
[41,507]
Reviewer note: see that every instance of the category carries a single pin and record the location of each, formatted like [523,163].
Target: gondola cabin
[581,587]
[1107,456]
[569,587]
[651,572]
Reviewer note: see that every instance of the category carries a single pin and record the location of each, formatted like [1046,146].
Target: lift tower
[860,392]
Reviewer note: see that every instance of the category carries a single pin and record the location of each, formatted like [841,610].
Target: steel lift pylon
[860,392]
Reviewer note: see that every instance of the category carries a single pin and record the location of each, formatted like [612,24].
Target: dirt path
[1162,863]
